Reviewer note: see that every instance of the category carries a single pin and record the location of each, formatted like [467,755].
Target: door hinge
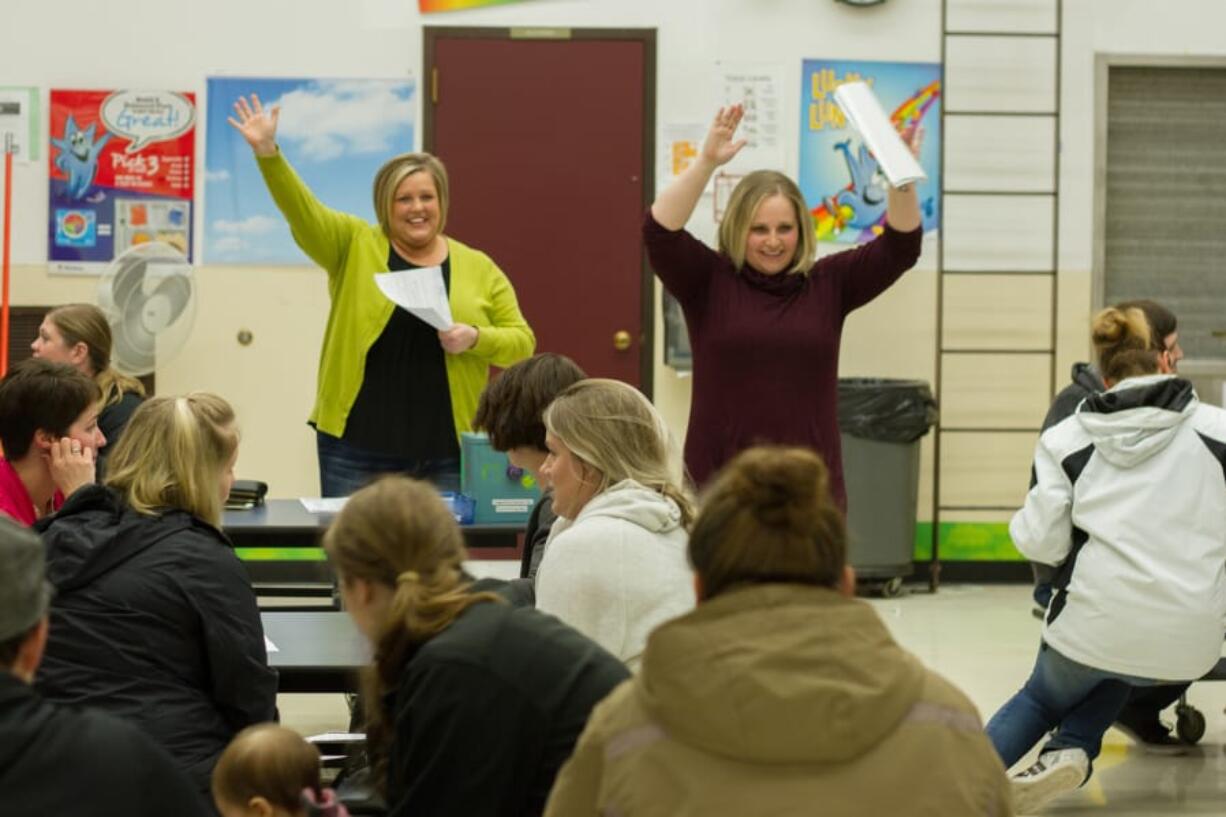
[434,85]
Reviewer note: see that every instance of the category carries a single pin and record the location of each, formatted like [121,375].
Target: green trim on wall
[281,554]
[967,541]
[960,541]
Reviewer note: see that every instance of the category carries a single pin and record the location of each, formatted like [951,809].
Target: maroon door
[548,145]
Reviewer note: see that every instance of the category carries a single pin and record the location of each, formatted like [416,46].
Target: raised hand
[72,465]
[257,125]
[719,146]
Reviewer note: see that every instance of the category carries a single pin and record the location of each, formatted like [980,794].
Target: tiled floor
[983,639]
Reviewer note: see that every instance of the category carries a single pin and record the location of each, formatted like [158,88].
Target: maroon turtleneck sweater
[766,347]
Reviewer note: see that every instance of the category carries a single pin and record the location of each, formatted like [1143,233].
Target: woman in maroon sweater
[764,318]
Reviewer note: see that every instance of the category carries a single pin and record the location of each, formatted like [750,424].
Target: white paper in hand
[867,116]
[421,291]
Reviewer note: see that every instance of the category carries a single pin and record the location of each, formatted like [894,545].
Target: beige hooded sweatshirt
[781,700]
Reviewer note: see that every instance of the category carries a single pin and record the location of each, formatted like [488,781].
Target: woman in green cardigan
[393,393]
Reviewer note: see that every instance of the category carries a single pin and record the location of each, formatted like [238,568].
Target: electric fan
[148,295]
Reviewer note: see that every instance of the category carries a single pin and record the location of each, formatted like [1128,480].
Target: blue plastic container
[502,494]
[461,506]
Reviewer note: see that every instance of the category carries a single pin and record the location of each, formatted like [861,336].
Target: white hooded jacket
[1129,500]
[618,569]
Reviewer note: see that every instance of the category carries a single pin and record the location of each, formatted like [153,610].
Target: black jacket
[60,761]
[540,521]
[111,422]
[487,712]
[154,621]
[1086,381]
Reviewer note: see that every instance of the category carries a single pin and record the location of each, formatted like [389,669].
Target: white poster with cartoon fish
[121,168]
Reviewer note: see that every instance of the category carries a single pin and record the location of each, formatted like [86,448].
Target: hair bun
[782,496]
[408,577]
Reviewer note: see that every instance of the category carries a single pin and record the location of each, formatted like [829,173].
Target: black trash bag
[892,411]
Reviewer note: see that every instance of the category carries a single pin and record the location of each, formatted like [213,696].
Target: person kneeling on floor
[1127,500]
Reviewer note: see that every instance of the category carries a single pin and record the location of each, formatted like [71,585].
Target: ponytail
[769,517]
[1123,344]
[114,385]
[398,533]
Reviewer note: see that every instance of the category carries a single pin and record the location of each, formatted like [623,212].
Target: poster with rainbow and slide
[839,176]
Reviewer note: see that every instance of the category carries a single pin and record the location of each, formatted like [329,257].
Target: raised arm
[902,210]
[1043,529]
[257,125]
[322,233]
[673,207]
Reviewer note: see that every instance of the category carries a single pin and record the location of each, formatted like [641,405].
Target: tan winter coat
[781,700]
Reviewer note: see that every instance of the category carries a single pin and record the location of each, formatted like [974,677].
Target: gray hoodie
[618,569]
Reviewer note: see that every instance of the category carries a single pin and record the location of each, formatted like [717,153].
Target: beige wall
[272,381]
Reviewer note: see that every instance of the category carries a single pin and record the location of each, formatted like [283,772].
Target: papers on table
[331,504]
[420,291]
[269,646]
[867,116]
[336,737]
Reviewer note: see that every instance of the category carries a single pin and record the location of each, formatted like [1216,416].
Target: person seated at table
[781,693]
[49,430]
[154,619]
[57,760]
[478,702]
[79,335]
[271,771]
[510,411]
[614,566]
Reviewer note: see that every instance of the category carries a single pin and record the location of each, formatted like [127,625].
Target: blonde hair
[395,171]
[173,453]
[1123,343]
[86,323]
[612,427]
[743,206]
[769,517]
[269,761]
[398,533]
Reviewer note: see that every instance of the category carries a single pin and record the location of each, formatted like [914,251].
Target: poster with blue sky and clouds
[336,134]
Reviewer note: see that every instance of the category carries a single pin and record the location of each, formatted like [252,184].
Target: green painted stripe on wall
[281,554]
[960,541]
[967,542]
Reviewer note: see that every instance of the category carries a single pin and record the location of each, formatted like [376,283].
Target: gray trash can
[882,422]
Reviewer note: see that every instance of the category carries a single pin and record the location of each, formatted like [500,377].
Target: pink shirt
[15,499]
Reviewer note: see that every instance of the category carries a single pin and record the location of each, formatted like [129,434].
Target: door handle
[621,340]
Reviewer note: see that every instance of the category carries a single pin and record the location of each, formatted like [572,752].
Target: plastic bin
[501,493]
[882,422]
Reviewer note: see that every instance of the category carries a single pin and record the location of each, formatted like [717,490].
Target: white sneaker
[1054,773]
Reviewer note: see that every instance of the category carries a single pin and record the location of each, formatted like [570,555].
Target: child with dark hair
[49,430]
[271,771]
